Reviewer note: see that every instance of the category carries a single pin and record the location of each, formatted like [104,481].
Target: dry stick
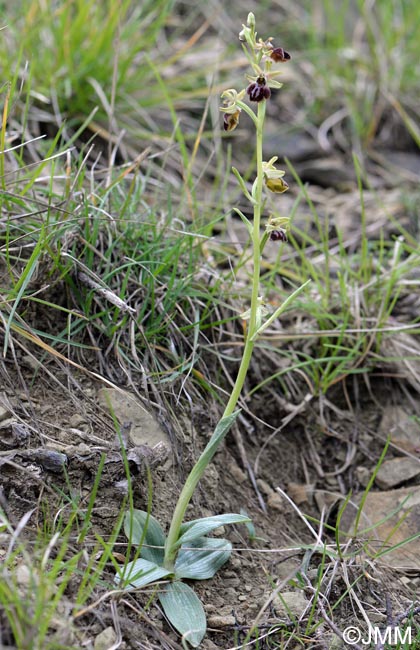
[409,612]
[105,292]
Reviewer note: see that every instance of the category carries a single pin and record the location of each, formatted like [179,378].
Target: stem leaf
[184,610]
[243,185]
[152,539]
[246,221]
[140,573]
[200,527]
[201,559]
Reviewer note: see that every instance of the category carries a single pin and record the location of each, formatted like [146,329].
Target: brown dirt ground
[313,457]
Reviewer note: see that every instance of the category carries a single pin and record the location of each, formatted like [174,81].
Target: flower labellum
[278,235]
[258,90]
[279,55]
[277,185]
[231,120]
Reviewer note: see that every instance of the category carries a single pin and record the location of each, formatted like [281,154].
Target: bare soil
[51,445]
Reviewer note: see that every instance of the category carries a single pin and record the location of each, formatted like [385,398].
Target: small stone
[300,492]
[264,487]
[144,428]
[290,603]
[363,475]
[209,607]
[77,421]
[403,428]
[219,621]
[236,473]
[242,598]
[219,532]
[106,639]
[395,471]
[275,502]
[393,531]
[24,575]
[376,617]
[4,413]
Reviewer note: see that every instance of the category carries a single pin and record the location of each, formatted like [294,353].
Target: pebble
[275,502]
[264,487]
[106,639]
[291,603]
[4,413]
[218,621]
[395,471]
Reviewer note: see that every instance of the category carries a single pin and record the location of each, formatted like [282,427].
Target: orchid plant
[186,552]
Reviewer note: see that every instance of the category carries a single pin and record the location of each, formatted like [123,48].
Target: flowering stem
[253,320]
[171,547]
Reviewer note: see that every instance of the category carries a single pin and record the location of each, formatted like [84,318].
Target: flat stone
[301,492]
[106,639]
[403,428]
[145,429]
[276,502]
[264,487]
[290,604]
[4,413]
[379,505]
[395,471]
[219,621]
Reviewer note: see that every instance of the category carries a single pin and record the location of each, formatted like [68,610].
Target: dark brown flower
[258,90]
[279,55]
[278,235]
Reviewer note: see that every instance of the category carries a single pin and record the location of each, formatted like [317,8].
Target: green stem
[252,327]
[228,416]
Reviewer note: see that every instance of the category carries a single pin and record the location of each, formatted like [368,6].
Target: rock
[276,502]
[290,604]
[106,639]
[379,505]
[218,621]
[403,428]
[363,475]
[4,413]
[395,471]
[301,492]
[236,473]
[264,487]
[145,429]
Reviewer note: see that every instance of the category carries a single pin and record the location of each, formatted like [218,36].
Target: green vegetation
[129,254]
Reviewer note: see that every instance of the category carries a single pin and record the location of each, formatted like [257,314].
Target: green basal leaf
[140,573]
[201,559]
[184,610]
[201,527]
[153,540]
